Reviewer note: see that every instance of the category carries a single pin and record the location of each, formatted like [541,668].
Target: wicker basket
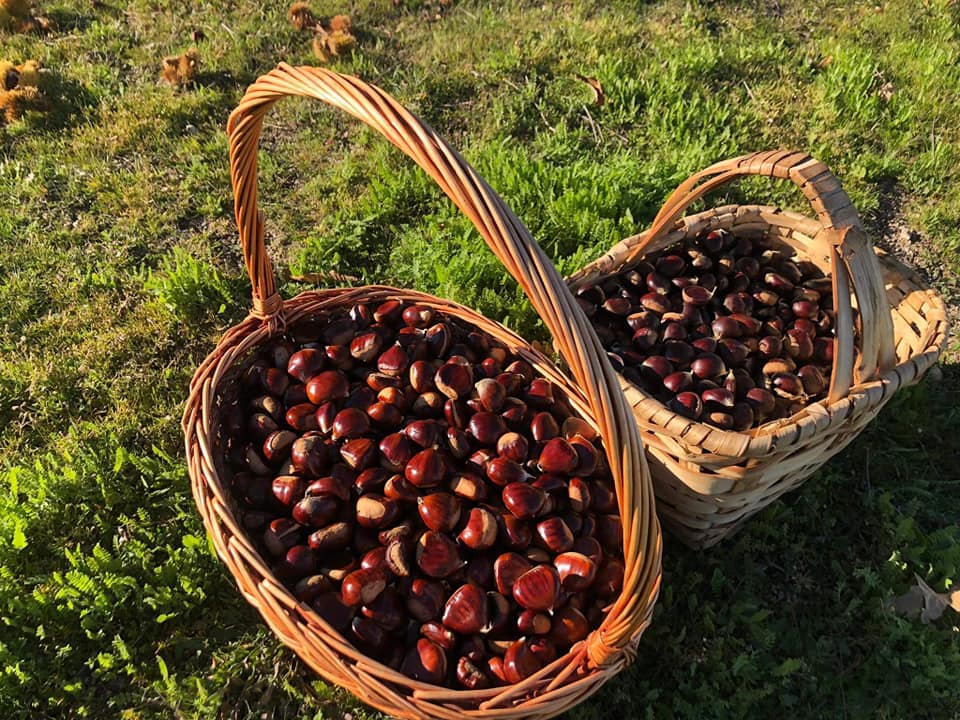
[593,392]
[890,330]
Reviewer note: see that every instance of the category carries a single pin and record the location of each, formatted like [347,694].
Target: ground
[119,269]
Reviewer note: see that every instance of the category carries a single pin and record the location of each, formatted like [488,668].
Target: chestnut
[522,500]
[576,571]
[454,380]
[359,454]
[470,675]
[304,364]
[385,415]
[486,428]
[439,511]
[480,532]
[554,535]
[707,365]
[363,586]
[327,385]
[513,446]
[558,456]
[331,608]
[376,511]
[687,404]
[468,486]
[427,468]
[538,588]
[569,626]
[350,423]
[502,471]
[519,662]
[425,599]
[465,612]
[395,451]
[426,662]
[540,393]
[398,557]
[387,610]
[437,555]
[332,537]
[515,532]
[507,568]
[281,535]
[316,511]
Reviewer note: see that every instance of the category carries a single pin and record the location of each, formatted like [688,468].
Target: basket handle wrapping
[852,259]
[524,260]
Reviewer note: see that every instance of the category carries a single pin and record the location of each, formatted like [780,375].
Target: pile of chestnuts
[425,492]
[721,328]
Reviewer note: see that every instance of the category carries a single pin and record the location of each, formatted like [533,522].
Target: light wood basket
[890,329]
[593,391]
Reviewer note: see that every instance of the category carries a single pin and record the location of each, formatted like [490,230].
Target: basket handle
[524,260]
[852,259]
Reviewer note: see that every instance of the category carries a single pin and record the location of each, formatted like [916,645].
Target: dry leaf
[886,91]
[599,98]
[922,600]
[823,63]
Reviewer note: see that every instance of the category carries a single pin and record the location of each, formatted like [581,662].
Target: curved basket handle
[524,260]
[852,259]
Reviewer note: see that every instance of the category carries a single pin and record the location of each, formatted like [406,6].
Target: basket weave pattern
[593,391]
[890,329]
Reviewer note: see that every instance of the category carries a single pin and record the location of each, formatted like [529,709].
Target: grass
[119,269]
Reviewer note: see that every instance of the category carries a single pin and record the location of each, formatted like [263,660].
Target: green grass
[119,269]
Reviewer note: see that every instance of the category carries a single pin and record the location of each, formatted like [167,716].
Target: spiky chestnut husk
[320,50]
[16,8]
[9,75]
[14,103]
[180,70]
[340,22]
[341,43]
[29,74]
[301,16]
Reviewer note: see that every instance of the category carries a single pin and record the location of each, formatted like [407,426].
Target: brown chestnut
[465,612]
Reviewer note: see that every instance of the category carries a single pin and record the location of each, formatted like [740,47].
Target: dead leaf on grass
[599,98]
[924,601]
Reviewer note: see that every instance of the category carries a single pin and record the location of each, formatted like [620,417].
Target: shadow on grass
[67,20]
[224,79]
[68,100]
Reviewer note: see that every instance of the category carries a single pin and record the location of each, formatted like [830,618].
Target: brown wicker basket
[890,330]
[593,392]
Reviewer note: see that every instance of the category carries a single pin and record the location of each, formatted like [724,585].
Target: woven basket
[593,392]
[890,329]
